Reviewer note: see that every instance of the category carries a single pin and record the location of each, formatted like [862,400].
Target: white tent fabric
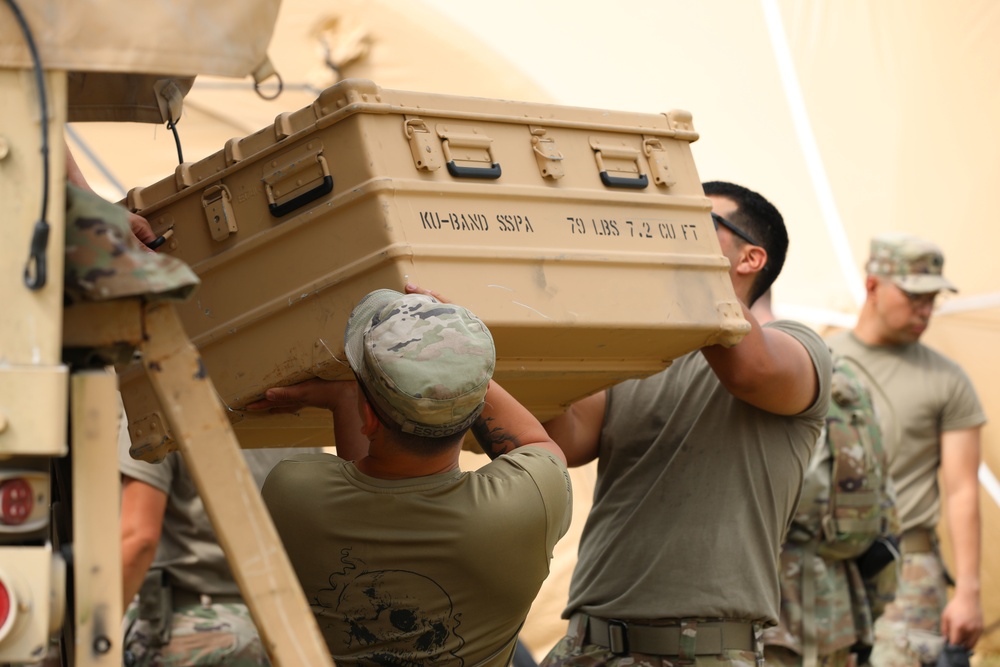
[853,117]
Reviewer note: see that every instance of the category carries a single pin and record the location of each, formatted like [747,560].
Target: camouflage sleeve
[104,260]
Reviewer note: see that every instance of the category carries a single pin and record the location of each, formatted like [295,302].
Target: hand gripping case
[582,238]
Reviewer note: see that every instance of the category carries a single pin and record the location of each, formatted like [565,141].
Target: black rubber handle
[621,182]
[156,243]
[474,172]
[324,188]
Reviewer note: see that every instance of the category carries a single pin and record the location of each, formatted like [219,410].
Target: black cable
[172,126]
[40,235]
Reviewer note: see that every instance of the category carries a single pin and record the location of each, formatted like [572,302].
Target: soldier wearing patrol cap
[404,558]
[931,420]
[913,264]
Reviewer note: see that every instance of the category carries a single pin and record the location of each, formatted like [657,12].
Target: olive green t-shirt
[695,490]
[428,570]
[928,394]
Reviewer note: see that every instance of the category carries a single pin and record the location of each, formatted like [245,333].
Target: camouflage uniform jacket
[105,261]
[846,503]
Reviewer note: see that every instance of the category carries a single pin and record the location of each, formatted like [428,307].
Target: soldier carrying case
[580,236]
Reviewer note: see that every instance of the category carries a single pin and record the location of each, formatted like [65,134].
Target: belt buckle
[618,636]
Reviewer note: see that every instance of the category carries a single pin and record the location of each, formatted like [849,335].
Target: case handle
[474,172]
[324,188]
[294,174]
[625,160]
[468,146]
[623,182]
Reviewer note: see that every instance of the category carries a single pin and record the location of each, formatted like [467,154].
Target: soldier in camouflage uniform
[404,558]
[188,611]
[164,522]
[932,419]
[846,510]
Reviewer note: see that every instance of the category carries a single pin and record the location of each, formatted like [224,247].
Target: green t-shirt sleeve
[962,409]
[551,478]
[822,360]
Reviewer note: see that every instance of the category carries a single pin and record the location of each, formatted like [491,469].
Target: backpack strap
[897,431]
[810,638]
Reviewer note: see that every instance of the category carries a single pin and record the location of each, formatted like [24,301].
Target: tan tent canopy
[132,61]
[853,117]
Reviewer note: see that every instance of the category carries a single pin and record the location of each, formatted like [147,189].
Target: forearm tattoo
[493,439]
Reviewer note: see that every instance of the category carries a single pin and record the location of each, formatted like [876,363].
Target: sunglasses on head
[719,220]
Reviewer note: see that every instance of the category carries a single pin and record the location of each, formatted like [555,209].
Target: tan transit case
[580,236]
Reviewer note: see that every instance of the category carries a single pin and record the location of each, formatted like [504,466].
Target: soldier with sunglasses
[700,467]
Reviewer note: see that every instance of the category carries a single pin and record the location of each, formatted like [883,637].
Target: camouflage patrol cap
[913,264]
[424,363]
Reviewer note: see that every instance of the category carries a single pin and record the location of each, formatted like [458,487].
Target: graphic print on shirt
[404,618]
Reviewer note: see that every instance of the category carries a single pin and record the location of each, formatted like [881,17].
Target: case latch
[467,153]
[151,439]
[421,144]
[547,154]
[656,155]
[218,205]
[618,165]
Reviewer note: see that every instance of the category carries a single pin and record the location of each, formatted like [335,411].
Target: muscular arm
[340,397]
[962,620]
[578,430]
[505,425]
[768,369]
[143,507]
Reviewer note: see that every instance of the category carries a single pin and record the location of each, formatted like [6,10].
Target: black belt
[711,637]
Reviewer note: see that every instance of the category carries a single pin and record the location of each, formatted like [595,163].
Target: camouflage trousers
[201,636]
[909,632]
[779,656]
[572,651]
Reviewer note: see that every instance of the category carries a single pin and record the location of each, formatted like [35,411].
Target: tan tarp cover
[135,61]
[178,37]
[854,117]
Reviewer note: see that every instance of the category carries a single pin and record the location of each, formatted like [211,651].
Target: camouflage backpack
[846,503]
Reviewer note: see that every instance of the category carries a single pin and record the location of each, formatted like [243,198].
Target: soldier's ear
[369,420]
[757,257]
[871,282]
[751,259]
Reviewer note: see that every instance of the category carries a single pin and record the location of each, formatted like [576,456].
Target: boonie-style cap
[913,264]
[426,364]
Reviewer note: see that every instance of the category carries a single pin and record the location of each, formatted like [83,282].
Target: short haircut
[416,444]
[762,221]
